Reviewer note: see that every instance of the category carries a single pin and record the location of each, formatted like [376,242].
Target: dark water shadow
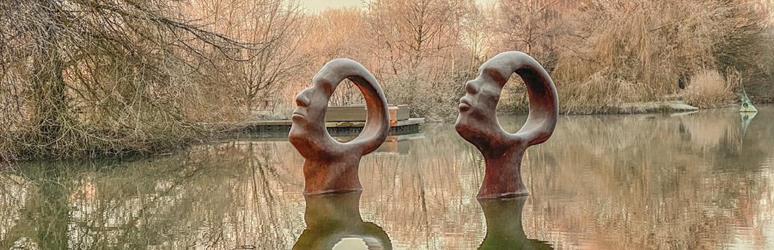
[504,229]
[334,219]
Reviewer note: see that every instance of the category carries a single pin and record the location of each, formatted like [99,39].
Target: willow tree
[98,76]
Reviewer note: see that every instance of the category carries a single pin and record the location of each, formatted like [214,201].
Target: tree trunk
[50,104]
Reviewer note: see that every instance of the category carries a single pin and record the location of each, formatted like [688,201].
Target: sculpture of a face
[477,121]
[331,166]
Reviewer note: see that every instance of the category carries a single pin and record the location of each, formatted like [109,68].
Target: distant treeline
[88,78]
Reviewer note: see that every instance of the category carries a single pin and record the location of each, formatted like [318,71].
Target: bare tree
[275,24]
[421,45]
[96,75]
[412,30]
[534,26]
[338,33]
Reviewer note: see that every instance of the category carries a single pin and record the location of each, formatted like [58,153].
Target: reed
[708,89]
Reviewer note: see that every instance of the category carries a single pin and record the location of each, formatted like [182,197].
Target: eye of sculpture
[332,166]
[477,121]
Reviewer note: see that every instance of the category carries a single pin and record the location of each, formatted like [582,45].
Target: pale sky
[316,6]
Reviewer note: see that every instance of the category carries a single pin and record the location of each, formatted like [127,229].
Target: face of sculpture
[477,120]
[309,119]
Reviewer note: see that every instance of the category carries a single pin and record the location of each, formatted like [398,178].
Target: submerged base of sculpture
[334,176]
[502,177]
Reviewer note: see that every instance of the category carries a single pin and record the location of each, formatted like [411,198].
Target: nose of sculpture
[471,87]
[302,100]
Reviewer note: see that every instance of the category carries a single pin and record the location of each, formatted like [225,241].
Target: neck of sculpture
[503,174]
[337,175]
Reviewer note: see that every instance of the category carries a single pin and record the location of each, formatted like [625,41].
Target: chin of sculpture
[477,121]
[333,218]
[331,166]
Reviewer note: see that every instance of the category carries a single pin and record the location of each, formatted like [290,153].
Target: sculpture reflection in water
[477,121]
[332,166]
[333,220]
[503,225]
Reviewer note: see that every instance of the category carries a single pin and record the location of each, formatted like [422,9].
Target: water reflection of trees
[12,193]
[649,181]
[426,199]
[223,196]
[601,182]
[242,194]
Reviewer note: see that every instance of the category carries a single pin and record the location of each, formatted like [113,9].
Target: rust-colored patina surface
[332,217]
[477,122]
[332,166]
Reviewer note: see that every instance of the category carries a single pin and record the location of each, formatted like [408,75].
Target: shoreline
[647,108]
[236,131]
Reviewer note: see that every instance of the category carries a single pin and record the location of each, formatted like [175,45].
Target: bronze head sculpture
[477,121]
[331,218]
[332,166]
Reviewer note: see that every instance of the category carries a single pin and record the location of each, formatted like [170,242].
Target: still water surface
[701,180]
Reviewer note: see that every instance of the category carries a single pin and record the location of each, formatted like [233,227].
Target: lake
[660,181]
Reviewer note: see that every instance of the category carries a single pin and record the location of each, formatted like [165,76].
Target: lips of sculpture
[464,104]
[465,122]
[299,115]
[471,92]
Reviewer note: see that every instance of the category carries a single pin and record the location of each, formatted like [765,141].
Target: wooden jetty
[340,121]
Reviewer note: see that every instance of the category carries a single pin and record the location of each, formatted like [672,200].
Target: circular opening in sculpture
[512,108]
[346,105]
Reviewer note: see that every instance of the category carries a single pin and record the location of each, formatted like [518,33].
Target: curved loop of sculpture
[332,218]
[332,166]
[477,121]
